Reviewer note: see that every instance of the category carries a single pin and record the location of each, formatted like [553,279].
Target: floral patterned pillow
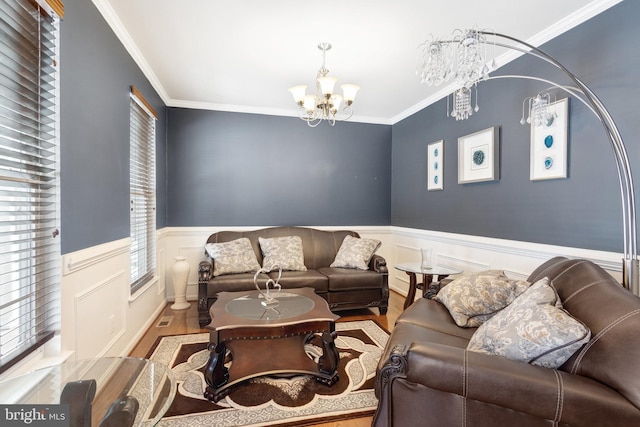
[473,299]
[284,252]
[236,256]
[355,253]
[533,329]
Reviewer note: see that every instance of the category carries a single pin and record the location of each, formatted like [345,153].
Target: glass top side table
[429,286]
[123,391]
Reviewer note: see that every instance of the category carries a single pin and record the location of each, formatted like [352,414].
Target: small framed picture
[435,166]
[479,156]
[549,144]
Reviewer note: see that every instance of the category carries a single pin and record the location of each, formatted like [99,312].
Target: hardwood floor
[186,322]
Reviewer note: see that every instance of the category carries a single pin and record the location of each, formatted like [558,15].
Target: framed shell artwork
[479,156]
[435,166]
[549,144]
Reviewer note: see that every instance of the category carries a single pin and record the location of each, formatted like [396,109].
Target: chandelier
[324,104]
[540,110]
[462,58]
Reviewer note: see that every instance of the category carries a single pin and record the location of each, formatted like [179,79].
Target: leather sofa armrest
[378,264]
[495,380]
[205,271]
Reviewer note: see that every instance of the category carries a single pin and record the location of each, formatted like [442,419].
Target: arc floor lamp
[462,57]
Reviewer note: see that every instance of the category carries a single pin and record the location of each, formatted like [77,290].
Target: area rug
[275,401]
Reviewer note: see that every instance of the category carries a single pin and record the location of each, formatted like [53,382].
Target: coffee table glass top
[436,270]
[250,306]
[150,384]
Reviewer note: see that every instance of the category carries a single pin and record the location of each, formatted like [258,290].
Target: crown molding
[580,16]
[265,111]
[123,35]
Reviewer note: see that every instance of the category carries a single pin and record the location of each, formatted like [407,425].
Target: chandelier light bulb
[336,100]
[349,92]
[309,103]
[298,93]
[327,84]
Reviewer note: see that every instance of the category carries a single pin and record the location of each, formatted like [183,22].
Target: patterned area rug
[271,401]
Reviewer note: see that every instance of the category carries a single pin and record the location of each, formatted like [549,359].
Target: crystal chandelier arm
[579,97]
[630,262]
[569,89]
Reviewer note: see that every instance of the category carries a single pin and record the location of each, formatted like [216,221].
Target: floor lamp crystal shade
[179,275]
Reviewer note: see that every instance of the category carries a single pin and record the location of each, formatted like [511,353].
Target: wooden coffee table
[270,340]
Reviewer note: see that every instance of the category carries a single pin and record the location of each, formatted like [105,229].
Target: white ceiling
[243,55]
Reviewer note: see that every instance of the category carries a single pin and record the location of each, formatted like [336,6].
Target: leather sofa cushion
[430,314]
[302,279]
[289,279]
[406,333]
[233,283]
[347,279]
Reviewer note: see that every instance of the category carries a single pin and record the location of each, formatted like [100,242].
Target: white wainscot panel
[162,277]
[100,316]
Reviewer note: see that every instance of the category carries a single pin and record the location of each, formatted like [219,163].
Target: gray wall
[96,73]
[581,211]
[239,169]
[255,170]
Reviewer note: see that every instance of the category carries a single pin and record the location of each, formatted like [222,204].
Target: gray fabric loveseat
[322,260]
[429,375]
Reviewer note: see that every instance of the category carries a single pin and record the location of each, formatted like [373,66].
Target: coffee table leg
[215,373]
[328,363]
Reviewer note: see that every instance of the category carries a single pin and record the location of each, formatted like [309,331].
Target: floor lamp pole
[630,270]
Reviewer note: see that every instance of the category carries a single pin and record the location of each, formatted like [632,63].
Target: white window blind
[29,247]
[143,190]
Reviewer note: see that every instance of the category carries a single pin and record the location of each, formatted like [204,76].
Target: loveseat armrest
[491,381]
[205,270]
[205,273]
[378,264]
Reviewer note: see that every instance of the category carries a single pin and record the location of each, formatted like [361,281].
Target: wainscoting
[469,253]
[474,253]
[101,318]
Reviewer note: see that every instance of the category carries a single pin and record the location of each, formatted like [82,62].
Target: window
[142,184]
[29,172]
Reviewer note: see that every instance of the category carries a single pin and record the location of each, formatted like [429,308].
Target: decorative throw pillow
[284,252]
[533,329]
[355,253]
[473,299]
[236,256]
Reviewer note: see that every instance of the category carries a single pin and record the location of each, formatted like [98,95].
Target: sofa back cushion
[319,246]
[612,313]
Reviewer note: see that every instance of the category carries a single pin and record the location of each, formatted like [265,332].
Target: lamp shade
[309,102]
[326,84]
[298,93]
[336,100]
[349,92]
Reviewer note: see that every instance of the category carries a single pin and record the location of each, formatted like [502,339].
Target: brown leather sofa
[426,376]
[343,288]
